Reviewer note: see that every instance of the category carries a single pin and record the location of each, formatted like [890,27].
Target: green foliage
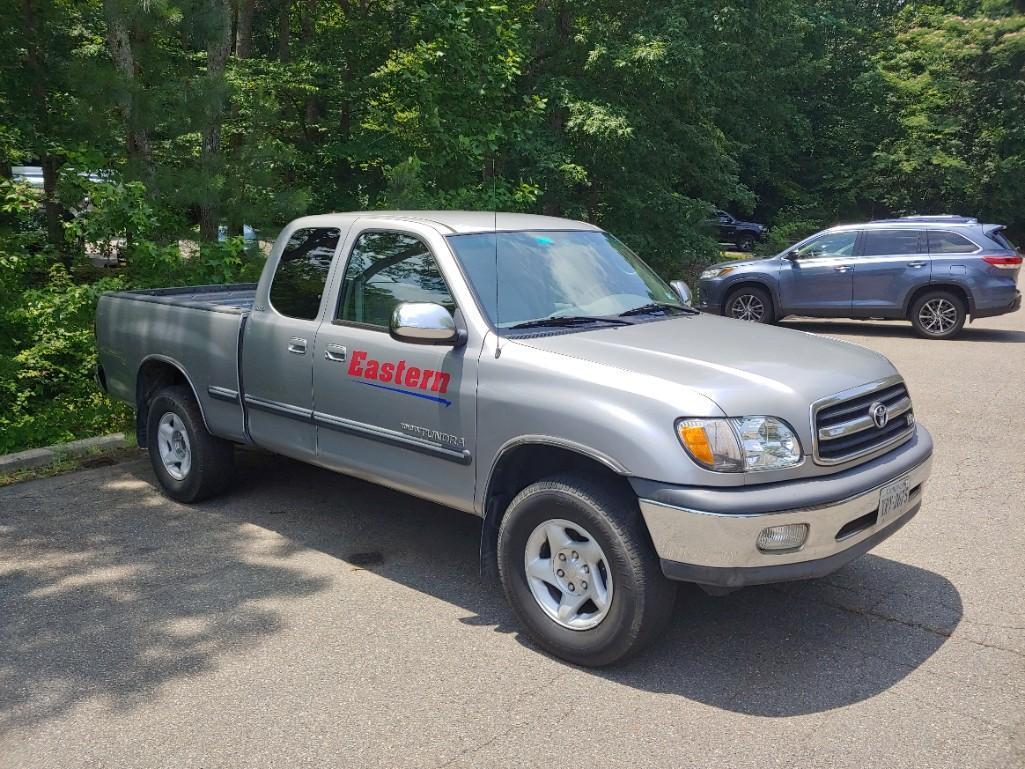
[156,122]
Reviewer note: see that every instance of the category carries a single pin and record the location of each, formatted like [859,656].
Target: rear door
[891,264]
[818,278]
[277,349]
[390,411]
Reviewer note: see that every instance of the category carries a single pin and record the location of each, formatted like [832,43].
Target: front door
[394,412]
[818,278]
[891,264]
[277,349]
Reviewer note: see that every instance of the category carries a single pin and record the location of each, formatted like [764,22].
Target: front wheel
[745,242]
[938,315]
[749,303]
[190,463]
[579,570]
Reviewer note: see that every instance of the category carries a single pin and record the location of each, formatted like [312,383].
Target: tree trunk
[52,207]
[284,31]
[121,34]
[308,30]
[244,29]
[217,50]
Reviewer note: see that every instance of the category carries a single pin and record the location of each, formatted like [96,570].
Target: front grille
[845,428]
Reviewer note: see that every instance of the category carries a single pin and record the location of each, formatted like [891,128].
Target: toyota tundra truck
[534,372]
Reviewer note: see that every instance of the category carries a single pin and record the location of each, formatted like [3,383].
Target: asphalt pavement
[311,620]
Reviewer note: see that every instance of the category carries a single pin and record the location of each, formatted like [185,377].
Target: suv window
[950,243]
[385,269]
[830,244]
[893,242]
[301,274]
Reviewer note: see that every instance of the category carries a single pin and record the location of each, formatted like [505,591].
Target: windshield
[531,275]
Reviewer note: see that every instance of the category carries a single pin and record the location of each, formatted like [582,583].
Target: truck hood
[747,369]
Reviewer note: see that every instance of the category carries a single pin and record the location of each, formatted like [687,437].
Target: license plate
[893,498]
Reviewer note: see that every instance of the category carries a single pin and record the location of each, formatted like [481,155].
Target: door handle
[843,268]
[335,352]
[297,345]
[916,265]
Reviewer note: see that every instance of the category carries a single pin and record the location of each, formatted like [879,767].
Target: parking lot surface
[309,619]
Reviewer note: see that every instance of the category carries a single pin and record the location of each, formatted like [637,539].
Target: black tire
[744,303]
[938,314]
[642,598]
[211,458]
[745,242]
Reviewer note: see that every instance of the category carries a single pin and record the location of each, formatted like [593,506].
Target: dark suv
[934,271]
[728,229]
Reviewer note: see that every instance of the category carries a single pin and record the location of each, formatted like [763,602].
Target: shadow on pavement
[896,329]
[107,592]
[112,602]
[774,651]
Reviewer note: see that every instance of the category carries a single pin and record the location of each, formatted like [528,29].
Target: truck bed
[194,329]
[235,298]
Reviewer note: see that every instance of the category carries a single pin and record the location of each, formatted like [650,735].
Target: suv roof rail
[946,218]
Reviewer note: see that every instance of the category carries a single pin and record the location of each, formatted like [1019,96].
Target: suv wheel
[745,242]
[190,463]
[580,572]
[938,315]
[751,303]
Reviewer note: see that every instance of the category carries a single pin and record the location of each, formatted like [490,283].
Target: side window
[301,274]
[830,244]
[950,243]
[385,269]
[893,242]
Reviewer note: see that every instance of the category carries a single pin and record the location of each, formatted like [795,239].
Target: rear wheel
[579,570]
[190,463]
[938,315]
[749,303]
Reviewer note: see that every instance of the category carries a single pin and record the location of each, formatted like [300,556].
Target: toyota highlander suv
[935,271]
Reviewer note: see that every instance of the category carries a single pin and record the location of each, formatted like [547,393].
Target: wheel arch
[954,288]
[156,372]
[523,461]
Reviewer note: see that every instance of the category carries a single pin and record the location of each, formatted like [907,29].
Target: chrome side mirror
[683,291]
[423,323]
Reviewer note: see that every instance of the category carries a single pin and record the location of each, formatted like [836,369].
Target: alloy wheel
[748,307]
[937,316]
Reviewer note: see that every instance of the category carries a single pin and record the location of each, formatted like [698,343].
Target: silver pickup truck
[534,372]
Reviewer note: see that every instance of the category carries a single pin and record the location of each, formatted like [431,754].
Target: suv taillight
[1003,262]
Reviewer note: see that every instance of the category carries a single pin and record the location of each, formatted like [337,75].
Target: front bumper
[715,545]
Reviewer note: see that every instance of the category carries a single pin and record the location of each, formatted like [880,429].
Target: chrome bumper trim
[702,538]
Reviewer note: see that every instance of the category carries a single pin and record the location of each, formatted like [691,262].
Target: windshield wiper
[565,321]
[663,307]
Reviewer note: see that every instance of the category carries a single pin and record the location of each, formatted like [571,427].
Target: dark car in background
[934,271]
[735,232]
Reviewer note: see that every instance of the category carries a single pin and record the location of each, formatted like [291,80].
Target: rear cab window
[302,272]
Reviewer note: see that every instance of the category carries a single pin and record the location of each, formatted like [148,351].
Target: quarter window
[950,243]
[893,242]
[384,270]
[830,244]
[302,272]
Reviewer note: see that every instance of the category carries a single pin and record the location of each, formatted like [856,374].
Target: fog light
[788,537]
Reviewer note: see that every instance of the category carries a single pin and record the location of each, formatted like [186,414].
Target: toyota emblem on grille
[879,413]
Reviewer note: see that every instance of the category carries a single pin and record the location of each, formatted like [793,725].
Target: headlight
[715,272]
[740,444]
